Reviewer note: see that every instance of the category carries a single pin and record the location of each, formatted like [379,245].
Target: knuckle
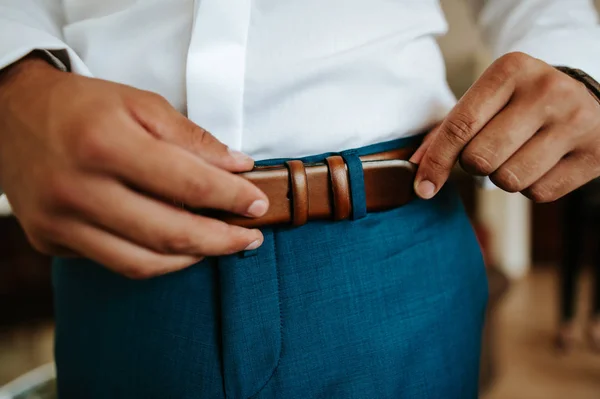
[196,191]
[507,180]
[567,87]
[157,98]
[540,193]
[436,164]
[555,85]
[460,128]
[195,137]
[582,117]
[564,84]
[474,162]
[513,62]
[90,146]
[199,137]
[178,243]
[546,86]
[61,193]
[40,245]
[39,230]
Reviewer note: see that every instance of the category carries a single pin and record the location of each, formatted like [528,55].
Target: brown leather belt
[301,192]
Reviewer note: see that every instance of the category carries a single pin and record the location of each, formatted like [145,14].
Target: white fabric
[560,32]
[287,78]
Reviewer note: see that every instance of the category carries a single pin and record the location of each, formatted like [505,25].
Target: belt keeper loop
[299,191]
[357,184]
[340,187]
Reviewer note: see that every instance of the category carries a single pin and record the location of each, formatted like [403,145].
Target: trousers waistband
[404,142]
[338,186]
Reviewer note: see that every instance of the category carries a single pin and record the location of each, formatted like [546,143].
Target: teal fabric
[356,179]
[390,305]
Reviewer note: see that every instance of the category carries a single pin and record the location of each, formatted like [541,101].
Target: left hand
[528,126]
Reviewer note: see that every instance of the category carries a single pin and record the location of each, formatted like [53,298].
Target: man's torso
[275,78]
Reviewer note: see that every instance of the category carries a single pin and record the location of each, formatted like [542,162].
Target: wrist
[29,70]
[590,83]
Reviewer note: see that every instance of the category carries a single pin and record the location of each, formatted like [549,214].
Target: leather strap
[299,191]
[340,187]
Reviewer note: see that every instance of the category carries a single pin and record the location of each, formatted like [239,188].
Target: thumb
[166,123]
[418,154]
[424,188]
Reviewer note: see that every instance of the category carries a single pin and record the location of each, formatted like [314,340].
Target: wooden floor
[24,348]
[529,368]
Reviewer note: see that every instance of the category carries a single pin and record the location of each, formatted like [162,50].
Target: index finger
[164,121]
[486,98]
[170,172]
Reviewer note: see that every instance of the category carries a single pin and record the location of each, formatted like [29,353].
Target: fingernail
[425,189]
[239,156]
[253,245]
[257,208]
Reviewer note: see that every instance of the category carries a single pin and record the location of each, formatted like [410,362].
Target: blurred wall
[462,46]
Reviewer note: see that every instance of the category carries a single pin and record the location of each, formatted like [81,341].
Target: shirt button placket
[216,67]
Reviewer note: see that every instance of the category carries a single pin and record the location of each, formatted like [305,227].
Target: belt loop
[299,191]
[357,184]
[340,187]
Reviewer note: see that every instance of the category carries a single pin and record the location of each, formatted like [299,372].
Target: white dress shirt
[288,78]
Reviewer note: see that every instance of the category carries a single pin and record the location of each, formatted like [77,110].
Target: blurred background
[532,250]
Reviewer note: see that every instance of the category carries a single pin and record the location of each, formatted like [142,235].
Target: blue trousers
[389,305]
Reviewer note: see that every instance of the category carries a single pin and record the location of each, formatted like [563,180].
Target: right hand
[91,168]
